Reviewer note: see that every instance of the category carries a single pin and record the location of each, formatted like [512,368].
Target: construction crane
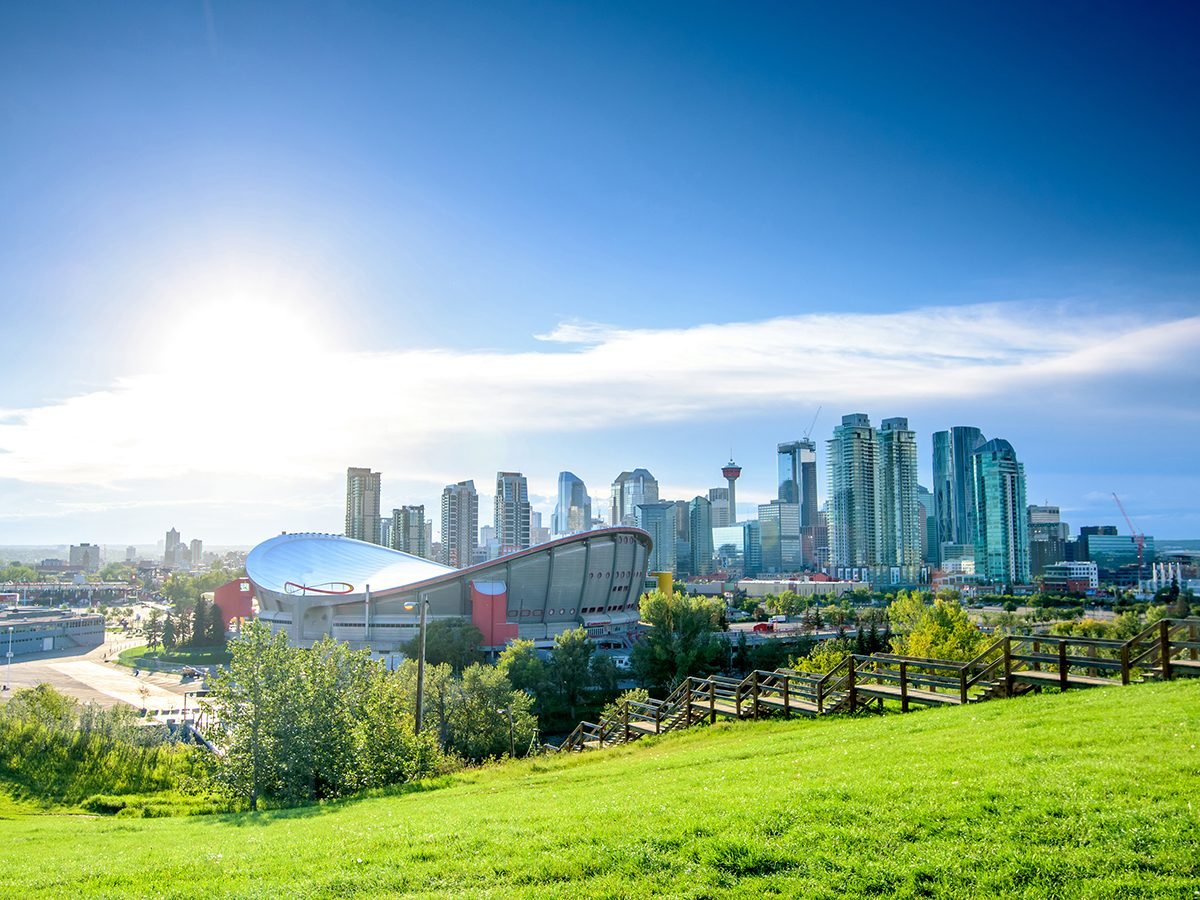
[813,425]
[1138,538]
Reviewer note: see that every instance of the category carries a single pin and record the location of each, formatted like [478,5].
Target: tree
[252,697]
[116,571]
[153,628]
[200,623]
[168,632]
[940,631]
[480,720]
[452,641]
[524,669]
[216,627]
[570,667]
[18,572]
[824,657]
[682,640]
[604,673]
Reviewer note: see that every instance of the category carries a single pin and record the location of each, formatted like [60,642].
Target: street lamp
[423,602]
[8,670]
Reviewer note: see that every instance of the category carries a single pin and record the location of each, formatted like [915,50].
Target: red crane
[1138,538]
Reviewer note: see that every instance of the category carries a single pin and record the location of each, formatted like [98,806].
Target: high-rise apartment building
[798,478]
[898,516]
[196,548]
[954,484]
[408,531]
[700,536]
[460,524]
[629,491]
[1002,535]
[512,512]
[362,504]
[779,531]
[573,511]
[853,456]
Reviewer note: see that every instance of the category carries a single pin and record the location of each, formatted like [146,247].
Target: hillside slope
[1090,794]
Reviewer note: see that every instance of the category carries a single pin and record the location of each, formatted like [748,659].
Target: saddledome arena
[316,585]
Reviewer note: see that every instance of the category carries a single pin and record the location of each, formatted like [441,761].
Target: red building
[235,600]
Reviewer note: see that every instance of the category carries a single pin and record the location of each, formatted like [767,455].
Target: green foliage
[570,667]
[524,669]
[633,695]
[938,631]
[152,628]
[115,571]
[18,572]
[184,589]
[682,640]
[302,725]
[824,657]
[455,642]
[56,752]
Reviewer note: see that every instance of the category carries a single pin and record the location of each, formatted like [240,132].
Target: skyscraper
[1002,535]
[362,504]
[779,531]
[719,498]
[798,478]
[408,530]
[573,512]
[460,523]
[512,512]
[658,519]
[700,536]
[898,512]
[853,455]
[171,548]
[954,484]
[630,490]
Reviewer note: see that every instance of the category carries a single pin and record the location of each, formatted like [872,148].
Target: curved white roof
[325,564]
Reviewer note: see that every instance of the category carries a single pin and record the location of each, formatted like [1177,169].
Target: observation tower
[731,472]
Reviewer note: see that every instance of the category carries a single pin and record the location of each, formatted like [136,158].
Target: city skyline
[240,251]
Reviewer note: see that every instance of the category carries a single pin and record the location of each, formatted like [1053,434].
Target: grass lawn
[1094,794]
[184,656]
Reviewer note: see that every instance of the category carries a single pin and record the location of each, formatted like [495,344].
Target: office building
[700,533]
[196,551]
[1002,536]
[171,548]
[511,512]
[460,524]
[954,484]
[779,533]
[719,499]
[629,491]
[362,504]
[798,478]
[85,557]
[573,511]
[658,520]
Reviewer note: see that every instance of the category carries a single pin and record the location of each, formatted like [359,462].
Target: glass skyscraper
[954,484]
[899,512]
[700,535]
[798,478]
[853,455]
[779,531]
[573,512]
[1002,534]
[658,520]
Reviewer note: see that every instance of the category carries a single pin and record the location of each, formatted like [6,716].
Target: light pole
[423,602]
[8,669]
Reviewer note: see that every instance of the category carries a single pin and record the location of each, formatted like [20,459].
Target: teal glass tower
[1002,526]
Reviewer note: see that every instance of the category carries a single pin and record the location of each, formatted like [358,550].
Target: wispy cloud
[285,415]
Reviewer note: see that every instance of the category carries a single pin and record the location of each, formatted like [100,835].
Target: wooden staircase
[1012,666]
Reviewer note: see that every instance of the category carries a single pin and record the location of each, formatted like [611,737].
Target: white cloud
[287,409]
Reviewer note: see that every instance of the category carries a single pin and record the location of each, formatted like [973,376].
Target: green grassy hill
[1091,794]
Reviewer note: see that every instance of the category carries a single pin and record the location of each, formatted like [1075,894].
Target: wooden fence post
[787,696]
[903,687]
[1125,663]
[962,684]
[851,692]
[1164,641]
[1063,684]
[754,694]
[712,702]
[1008,674]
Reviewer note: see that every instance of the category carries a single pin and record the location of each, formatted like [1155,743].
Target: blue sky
[243,246]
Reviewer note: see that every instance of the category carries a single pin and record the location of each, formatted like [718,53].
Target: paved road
[89,677]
